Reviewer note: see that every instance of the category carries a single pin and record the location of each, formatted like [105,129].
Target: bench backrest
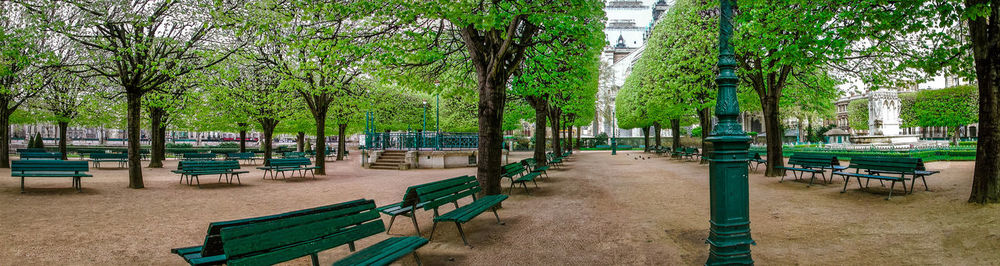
[207,165]
[512,169]
[813,160]
[285,238]
[89,151]
[241,155]
[753,155]
[49,166]
[294,161]
[30,150]
[438,193]
[293,154]
[893,164]
[102,155]
[41,155]
[193,155]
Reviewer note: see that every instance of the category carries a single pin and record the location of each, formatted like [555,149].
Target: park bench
[30,150]
[50,168]
[242,156]
[554,159]
[531,163]
[282,237]
[98,158]
[451,190]
[875,167]
[194,169]
[660,150]
[193,156]
[41,155]
[293,154]
[801,163]
[282,165]
[410,203]
[518,174]
[756,160]
[85,152]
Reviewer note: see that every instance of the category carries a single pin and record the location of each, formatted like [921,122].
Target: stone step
[385,167]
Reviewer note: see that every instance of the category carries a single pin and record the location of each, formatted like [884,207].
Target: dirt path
[598,210]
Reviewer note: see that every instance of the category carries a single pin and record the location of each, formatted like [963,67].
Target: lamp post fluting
[729,236]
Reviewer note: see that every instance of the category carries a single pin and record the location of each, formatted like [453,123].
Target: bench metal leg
[893,188]
[811,179]
[460,232]
[433,228]
[413,217]
[783,175]
[497,215]
[924,178]
[391,220]
[197,180]
[237,179]
[315,259]
[525,186]
[536,183]
[846,179]
[350,246]
[22,184]
[416,258]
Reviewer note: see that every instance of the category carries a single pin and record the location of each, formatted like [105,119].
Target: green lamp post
[614,134]
[729,236]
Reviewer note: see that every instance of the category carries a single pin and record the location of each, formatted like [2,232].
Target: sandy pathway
[599,210]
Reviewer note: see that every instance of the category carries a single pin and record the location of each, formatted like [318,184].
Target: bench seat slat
[289,252]
[384,252]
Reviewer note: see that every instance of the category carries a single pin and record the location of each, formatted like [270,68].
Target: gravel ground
[598,210]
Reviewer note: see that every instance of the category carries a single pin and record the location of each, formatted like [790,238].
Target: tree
[494,37]
[23,58]
[950,107]
[63,99]
[857,114]
[140,46]
[320,48]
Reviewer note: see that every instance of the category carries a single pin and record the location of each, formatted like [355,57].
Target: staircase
[390,160]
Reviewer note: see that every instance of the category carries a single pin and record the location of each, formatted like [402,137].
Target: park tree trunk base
[541,114]
[268,125]
[156,121]
[554,122]
[5,135]
[63,126]
[705,122]
[656,133]
[243,137]
[341,141]
[984,31]
[675,130]
[775,158]
[492,94]
[320,143]
[301,142]
[134,118]
[645,139]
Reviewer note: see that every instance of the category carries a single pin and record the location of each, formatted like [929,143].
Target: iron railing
[421,141]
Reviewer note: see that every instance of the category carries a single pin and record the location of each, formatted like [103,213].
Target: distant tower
[883,113]
[660,8]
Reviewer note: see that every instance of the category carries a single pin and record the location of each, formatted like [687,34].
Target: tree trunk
[301,142]
[772,127]
[492,94]
[675,129]
[984,32]
[62,138]
[5,135]
[645,139]
[569,137]
[705,122]
[134,119]
[578,137]
[156,120]
[320,117]
[541,114]
[341,141]
[243,137]
[656,133]
[554,122]
[268,126]
[161,145]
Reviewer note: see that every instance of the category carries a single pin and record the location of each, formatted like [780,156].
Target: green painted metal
[421,140]
[729,235]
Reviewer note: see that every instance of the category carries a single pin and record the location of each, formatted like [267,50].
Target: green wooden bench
[293,154]
[50,168]
[410,203]
[452,190]
[282,165]
[518,174]
[279,238]
[554,160]
[242,156]
[98,158]
[85,152]
[756,160]
[834,162]
[193,156]
[880,168]
[194,169]
[800,165]
[31,150]
[41,156]
[531,163]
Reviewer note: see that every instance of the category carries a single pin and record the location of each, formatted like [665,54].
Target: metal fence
[421,141]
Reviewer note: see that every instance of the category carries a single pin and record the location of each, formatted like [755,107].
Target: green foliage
[857,114]
[907,116]
[601,139]
[949,107]
[178,145]
[696,132]
[36,141]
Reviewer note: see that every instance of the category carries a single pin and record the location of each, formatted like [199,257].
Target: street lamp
[614,134]
[423,128]
[729,235]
